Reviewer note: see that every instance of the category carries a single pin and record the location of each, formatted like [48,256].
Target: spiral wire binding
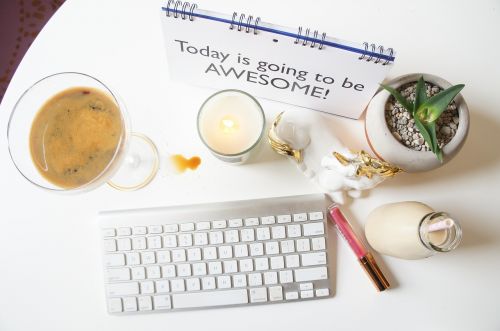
[314,36]
[373,49]
[183,5]
[239,23]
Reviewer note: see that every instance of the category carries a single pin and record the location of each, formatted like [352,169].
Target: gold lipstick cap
[368,263]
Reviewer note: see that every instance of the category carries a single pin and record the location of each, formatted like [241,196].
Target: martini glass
[133,164]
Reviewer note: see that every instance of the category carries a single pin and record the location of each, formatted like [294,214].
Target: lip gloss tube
[365,258]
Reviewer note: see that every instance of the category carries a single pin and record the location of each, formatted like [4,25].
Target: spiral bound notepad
[300,66]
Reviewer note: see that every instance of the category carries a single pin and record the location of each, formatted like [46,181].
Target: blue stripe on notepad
[284,33]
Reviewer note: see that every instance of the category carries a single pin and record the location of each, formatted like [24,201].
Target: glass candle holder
[231,124]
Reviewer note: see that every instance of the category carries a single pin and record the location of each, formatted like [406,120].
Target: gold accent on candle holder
[279,145]
[367,165]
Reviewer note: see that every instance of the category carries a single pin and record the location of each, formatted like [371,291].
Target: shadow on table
[480,153]
[476,235]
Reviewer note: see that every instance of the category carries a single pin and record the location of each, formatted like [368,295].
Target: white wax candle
[231,123]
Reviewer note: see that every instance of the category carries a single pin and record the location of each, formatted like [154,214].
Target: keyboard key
[163,256]
[322,292]
[246,265]
[230,266]
[258,294]
[318,243]
[263,234]
[201,226]
[177,285]
[187,227]
[209,299]
[311,259]
[185,239]
[168,271]
[139,243]
[155,229]
[193,284]
[133,258]
[225,252]
[162,286]
[178,255]
[284,218]
[306,294]
[184,270]
[200,239]
[302,217]
[286,276]
[247,235]
[316,216]
[114,260]
[292,261]
[139,230]
[272,247]
[261,263]
[215,268]
[124,231]
[110,245]
[216,237]
[255,279]
[153,272]
[115,305]
[199,269]
[231,236]
[241,250]
[313,229]
[224,282]
[270,278]
[309,274]
[194,254]
[275,293]
[170,241]
[117,274]
[220,224]
[235,223]
[294,230]
[120,289]
[306,286]
[130,304]
[252,221]
[162,302]
[138,273]
[239,281]
[147,287]
[209,253]
[278,232]
[287,246]
[303,245]
[277,262]
[154,242]
[256,249]
[148,257]
[110,232]
[292,295]
[267,220]
[145,303]
[171,228]
[208,283]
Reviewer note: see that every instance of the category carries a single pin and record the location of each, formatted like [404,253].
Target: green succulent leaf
[405,103]
[420,94]
[425,134]
[430,110]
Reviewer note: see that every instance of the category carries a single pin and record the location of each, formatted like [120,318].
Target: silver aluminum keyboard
[219,254]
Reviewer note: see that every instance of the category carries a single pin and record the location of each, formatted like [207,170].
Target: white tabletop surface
[51,277]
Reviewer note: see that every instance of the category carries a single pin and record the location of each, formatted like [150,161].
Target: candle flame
[228,125]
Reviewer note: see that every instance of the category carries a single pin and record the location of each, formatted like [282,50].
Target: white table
[51,276]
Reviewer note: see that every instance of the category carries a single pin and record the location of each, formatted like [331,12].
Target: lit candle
[230,124]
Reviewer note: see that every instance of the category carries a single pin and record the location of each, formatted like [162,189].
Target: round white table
[51,276]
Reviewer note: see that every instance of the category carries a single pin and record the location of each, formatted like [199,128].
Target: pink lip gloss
[365,258]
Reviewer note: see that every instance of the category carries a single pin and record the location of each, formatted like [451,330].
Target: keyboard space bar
[207,299]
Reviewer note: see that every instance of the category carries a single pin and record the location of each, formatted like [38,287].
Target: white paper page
[269,65]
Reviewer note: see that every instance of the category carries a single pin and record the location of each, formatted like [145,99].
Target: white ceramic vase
[388,148]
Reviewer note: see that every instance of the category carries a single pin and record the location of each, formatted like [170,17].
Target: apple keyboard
[216,255]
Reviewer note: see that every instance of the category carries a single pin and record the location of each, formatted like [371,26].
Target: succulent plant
[425,111]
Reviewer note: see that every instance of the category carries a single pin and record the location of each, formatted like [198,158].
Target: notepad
[303,67]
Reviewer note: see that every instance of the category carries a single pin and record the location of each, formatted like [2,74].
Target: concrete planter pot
[388,148]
